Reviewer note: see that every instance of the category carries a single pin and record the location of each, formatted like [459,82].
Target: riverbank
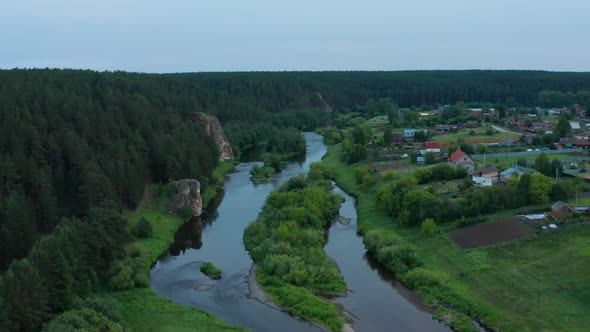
[144,310]
[258,293]
[520,286]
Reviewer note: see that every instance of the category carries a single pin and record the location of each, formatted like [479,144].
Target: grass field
[536,284]
[142,309]
[581,201]
[378,121]
[479,136]
[504,162]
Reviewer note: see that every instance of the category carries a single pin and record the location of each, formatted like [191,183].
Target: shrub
[141,280]
[135,251]
[321,170]
[360,173]
[398,259]
[122,276]
[428,227]
[420,278]
[84,319]
[104,306]
[303,302]
[210,270]
[142,228]
[375,240]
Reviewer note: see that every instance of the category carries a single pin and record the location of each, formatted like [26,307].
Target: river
[374,301]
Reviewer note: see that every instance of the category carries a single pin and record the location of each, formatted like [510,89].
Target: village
[495,147]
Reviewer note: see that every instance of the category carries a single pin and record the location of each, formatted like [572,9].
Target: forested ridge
[78,147]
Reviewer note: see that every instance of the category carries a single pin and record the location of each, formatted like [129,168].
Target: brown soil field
[491,233]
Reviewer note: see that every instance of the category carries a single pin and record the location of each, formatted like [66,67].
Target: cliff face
[188,195]
[215,131]
[325,106]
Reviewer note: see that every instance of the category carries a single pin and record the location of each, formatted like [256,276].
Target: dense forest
[78,147]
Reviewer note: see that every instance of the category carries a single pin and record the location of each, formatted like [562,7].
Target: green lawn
[142,309]
[537,284]
[581,201]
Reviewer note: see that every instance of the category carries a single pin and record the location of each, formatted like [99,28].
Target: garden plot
[491,233]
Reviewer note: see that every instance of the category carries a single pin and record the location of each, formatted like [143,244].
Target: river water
[374,301]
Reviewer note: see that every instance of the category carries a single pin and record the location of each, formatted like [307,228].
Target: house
[544,126]
[575,125]
[444,129]
[410,133]
[580,111]
[461,159]
[486,176]
[397,139]
[566,142]
[528,139]
[560,210]
[581,143]
[558,111]
[475,112]
[517,120]
[432,147]
[515,171]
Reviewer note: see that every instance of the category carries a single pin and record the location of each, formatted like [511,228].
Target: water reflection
[188,236]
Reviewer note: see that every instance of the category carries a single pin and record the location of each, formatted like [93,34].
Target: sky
[272,35]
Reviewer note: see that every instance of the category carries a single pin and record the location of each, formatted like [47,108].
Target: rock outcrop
[325,106]
[188,196]
[214,130]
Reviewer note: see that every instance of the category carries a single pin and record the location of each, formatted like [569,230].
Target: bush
[123,274]
[261,174]
[210,270]
[428,227]
[84,319]
[304,303]
[360,173]
[106,307]
[420,278]
[321,170]
[142,228]
[398,259]
[135,251]
[375,240]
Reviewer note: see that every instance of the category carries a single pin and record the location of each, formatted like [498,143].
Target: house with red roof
[461,159]
[433,147]
[581,143]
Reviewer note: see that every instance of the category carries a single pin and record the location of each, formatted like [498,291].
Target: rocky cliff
[188,196]
[325,106]
[215,131]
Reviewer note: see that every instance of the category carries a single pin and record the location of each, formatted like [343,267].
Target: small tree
[429,227]
[430,158]
[142,229]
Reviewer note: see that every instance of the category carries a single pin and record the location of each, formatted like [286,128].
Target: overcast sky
[227,35]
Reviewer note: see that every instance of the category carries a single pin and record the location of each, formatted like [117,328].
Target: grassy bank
[144,310]
[540,283]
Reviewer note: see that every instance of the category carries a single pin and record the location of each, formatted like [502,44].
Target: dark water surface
[374,303]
